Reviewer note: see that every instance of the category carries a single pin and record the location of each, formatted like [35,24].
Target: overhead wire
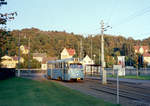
[113,10]
[134,16]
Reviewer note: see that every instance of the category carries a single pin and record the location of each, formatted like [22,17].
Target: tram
[65,69]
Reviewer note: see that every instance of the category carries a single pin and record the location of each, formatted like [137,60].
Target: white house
[87,61]
[39,56]
[67,53]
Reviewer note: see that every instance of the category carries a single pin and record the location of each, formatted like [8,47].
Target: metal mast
[104,81]
[81,49]
[91,48]
[19,54]
[29,54]
[103,28]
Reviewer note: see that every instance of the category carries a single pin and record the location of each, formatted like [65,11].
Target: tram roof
[59,61]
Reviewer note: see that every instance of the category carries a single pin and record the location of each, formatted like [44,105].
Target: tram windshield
[76,65]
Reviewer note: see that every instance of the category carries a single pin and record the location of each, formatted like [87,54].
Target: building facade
[24,49]
[39,56]
[144,51]
[10,62]
[67,53]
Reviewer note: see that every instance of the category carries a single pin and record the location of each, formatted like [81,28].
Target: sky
[129,18]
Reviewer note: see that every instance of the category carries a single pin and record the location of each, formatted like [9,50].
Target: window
[76,66]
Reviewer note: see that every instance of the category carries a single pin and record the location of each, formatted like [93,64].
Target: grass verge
[25,92]
[132,77]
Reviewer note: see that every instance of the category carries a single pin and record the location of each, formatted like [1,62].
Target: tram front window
[76,66]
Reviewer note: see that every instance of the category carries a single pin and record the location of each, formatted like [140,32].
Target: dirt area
[85,87]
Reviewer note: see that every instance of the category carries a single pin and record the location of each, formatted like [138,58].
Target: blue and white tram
[65,69]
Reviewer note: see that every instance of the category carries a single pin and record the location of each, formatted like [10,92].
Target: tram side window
[60,65]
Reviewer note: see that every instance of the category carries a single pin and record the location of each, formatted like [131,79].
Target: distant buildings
[24,49]
[141,49]
[144,51]
[42,58]
[87,60]
[44,62]
[39,56]
[67,53]
[10,62]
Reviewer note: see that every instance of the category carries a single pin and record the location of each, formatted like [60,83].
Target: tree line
[53,42]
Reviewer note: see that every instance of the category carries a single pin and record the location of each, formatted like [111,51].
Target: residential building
[44,62]
[141,49]
[146,58]
[39,56]
[10,62]
[144,51]
[24,49]
[87,61]
[67,53]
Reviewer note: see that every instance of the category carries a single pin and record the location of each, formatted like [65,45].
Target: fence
[96,71]
[7,73]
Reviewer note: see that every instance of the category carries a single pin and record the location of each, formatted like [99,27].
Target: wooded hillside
[52,43]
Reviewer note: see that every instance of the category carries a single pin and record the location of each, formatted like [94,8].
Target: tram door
[64,73]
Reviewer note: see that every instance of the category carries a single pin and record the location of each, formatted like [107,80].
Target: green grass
[132,77]
[25,92]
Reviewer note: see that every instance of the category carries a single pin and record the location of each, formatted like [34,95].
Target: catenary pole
[19,54]
[104,80]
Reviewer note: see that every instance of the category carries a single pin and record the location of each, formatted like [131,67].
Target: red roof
[71,52]
[144,48]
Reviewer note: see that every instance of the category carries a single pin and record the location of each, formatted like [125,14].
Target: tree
[4,34]
[4,17]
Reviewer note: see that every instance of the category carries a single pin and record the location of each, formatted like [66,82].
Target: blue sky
[130,18]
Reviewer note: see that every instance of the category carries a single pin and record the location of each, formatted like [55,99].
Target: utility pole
[19,54]
[29,54]
[104,78]
[91,48]
[99,56]
[81,49]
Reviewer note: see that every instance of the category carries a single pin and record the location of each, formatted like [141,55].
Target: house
[39,56]
[146,58]
[15,59]
[87,61]
[44,62]
[10,62]
[67,53]
[141,49]
[24,49]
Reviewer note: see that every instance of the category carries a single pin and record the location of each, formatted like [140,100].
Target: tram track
[125,91]
[127,85]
